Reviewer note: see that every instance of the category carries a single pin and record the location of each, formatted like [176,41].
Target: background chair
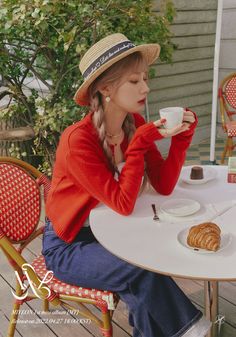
[20,210]
[227,99]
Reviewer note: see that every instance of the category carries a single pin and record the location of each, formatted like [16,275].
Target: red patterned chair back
[227,96]
[227,100]
[230,91]
[20,200]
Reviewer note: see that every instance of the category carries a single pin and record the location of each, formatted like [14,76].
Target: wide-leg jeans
[157,306]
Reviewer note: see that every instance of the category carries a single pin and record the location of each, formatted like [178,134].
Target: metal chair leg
[107,325]
[227,149]
[211,305]
[224,152]
[230,146]
[14,313]
[45,305]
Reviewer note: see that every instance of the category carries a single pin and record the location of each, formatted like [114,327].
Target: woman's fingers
[167,133]
[178,129]
[159,122]
[188,117]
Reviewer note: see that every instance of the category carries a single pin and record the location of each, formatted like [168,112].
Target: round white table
[153,245]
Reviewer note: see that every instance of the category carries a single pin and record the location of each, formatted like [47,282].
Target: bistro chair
[227,99]
[21,189]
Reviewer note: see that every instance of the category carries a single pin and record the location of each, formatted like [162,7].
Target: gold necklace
[114,136]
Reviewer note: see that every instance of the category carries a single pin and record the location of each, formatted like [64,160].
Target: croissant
[205,235]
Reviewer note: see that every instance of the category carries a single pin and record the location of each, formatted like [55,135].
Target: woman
[87,172]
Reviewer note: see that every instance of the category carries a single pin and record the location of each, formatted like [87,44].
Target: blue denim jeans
[157,306]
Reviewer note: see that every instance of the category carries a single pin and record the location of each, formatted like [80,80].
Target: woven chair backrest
[20,202]
[230,91]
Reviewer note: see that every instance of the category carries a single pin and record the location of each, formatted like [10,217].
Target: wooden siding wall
[228,43]
[188,81]
[228,39]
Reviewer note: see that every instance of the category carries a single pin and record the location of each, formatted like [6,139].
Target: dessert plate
[226,239]
[208,174]
[180,207]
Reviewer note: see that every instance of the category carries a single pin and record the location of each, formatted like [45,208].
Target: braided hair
[110,76]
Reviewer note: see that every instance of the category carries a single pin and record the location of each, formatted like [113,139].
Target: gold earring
[108,99]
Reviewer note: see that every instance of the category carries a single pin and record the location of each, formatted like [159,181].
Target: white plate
[226,239]
[180,207]
[208,174]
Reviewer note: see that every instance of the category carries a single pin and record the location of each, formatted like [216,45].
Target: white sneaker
[199,329]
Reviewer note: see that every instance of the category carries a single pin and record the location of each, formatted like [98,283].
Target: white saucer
[208,174]
[180,207]
[226,239]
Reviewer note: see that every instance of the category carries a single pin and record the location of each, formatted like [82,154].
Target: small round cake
[196,173]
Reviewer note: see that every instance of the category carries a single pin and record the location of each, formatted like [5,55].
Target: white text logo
[24,287]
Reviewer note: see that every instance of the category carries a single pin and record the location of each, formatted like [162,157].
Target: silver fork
[156,217]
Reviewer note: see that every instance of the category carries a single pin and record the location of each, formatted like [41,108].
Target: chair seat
[231,128]
[69,289]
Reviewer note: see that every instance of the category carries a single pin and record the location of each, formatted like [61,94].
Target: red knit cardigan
[82,176]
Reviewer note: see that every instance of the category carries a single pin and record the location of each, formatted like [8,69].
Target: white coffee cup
[173,116]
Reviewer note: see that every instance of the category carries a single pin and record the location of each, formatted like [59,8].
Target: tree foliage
[45,39]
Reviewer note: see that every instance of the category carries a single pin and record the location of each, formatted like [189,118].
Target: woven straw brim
[149,51]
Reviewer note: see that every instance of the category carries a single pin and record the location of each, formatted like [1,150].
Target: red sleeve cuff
[144,136]
[148,133]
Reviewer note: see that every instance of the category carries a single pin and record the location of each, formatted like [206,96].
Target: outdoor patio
[34,322]
[188,82]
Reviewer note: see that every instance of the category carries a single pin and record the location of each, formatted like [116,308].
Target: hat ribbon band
[107,56]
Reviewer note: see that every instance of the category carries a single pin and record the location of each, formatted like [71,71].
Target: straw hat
[103,54]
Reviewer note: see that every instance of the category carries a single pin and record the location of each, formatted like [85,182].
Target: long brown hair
[111,76]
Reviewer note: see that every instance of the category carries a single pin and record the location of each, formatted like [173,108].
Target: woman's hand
[188,118]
